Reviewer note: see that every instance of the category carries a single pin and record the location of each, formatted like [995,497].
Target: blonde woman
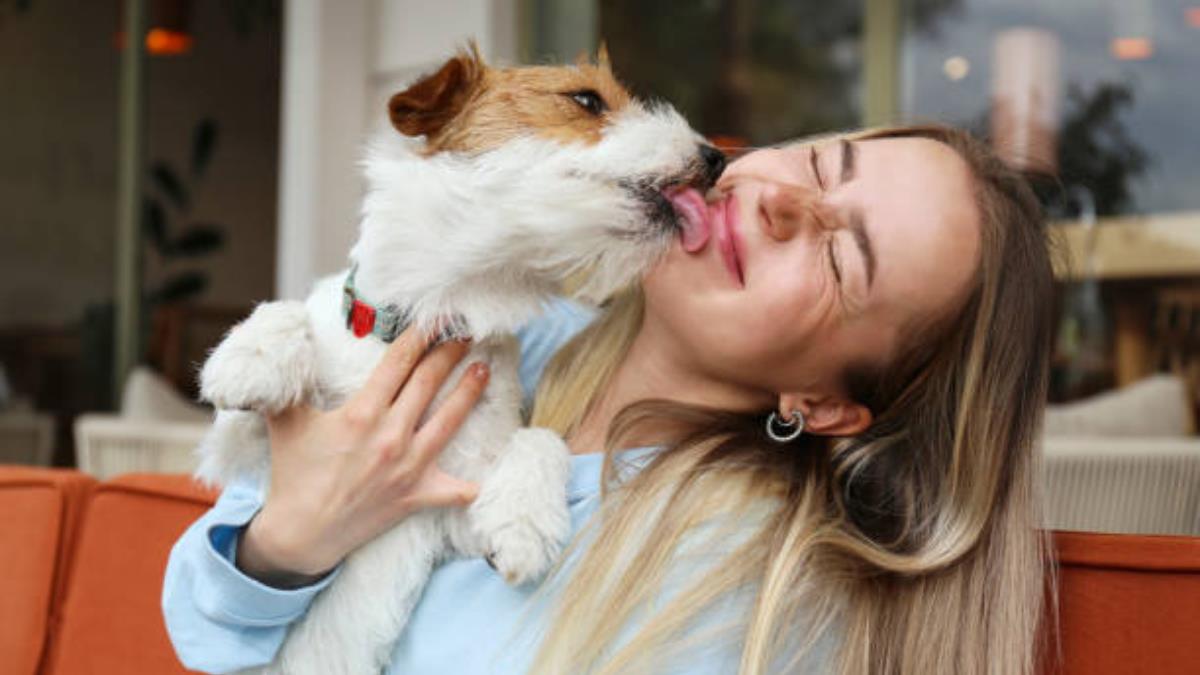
[803,444]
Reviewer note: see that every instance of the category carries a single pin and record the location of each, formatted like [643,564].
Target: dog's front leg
[521,512]
[265,364]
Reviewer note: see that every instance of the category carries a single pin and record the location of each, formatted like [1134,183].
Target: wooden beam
[1162,245]
[130,155]
[881,59]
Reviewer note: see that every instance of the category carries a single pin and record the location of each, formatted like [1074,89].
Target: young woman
[819,418]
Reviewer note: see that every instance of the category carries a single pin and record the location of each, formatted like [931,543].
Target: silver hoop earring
[785,431]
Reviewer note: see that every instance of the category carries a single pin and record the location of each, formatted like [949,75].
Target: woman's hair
[913,547]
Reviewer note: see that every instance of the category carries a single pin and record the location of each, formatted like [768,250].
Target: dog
[501,184]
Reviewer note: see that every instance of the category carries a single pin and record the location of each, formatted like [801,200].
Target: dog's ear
[602,56]
[601,61]
[430,103]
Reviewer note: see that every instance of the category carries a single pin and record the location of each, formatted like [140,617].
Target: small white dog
[501,184]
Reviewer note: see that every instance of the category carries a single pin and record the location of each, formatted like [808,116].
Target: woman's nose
[787,210]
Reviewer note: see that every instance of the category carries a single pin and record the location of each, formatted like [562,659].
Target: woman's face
[816,257]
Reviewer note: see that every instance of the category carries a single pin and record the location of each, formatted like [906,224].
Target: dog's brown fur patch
[469,106]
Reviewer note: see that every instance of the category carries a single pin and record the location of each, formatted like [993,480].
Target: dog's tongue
[693,216]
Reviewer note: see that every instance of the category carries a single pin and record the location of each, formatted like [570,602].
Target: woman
[832,390]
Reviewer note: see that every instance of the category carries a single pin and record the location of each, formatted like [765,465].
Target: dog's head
[596,160]
[468,106]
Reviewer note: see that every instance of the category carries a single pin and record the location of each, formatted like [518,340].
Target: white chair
[1124,462]
[157,431]
[108,445]
[1123,485]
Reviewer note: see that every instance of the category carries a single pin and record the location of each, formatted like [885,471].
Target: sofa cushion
[1156,406]
[39,513]
[111,620]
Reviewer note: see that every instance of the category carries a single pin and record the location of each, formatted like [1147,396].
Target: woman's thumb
[442,489]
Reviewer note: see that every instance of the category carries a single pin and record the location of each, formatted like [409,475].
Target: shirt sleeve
[220,620]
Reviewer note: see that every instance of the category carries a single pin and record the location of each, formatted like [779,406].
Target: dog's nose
[714,163]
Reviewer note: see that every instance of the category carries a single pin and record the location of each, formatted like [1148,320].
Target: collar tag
[362,318]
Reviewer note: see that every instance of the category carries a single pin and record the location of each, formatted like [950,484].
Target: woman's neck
[653,369]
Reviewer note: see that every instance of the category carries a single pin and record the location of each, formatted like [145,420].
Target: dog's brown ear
[431,102]
[602,56]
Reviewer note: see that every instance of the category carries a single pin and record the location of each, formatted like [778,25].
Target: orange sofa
[83,565]
[83,569]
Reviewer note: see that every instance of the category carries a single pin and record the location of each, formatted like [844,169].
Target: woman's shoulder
[543,335]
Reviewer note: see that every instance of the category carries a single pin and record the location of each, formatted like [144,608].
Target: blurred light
[168,33]
[956,68]
[1132,48]
[166,42]
[1193,17]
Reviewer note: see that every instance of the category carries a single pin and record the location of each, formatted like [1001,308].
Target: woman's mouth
[723,215]
[700,221]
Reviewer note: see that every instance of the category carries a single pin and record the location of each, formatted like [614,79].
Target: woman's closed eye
[834,264]
[816,166]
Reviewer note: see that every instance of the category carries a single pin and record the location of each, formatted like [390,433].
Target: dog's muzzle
[702,174]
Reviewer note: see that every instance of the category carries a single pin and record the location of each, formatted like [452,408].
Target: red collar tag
[362,318]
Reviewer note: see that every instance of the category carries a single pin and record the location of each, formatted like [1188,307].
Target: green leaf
[182,286]
[204,142]
[167,181]
[198,240]
[154,224]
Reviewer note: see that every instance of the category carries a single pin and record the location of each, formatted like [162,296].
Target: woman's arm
[240,575]
[338,479]
[219,619]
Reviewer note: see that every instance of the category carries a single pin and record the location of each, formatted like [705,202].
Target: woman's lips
[723,215]
[700,221]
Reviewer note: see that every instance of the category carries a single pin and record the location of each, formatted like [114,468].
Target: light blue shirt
[468,621]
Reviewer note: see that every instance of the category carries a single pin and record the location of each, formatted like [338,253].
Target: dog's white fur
[484,238]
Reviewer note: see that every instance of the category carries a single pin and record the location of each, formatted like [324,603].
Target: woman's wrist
[263,556]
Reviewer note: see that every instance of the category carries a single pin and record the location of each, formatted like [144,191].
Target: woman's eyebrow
[849,159]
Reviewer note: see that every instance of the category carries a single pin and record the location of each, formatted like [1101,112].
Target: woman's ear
[431,102]
[827,415]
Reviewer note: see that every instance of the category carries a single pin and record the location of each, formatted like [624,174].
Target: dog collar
[386,322]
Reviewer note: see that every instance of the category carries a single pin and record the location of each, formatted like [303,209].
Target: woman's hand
[340,478]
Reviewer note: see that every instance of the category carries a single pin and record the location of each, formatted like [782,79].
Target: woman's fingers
[390,374]
[433,436]
[422,386]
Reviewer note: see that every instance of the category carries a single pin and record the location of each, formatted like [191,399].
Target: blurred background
[149,198]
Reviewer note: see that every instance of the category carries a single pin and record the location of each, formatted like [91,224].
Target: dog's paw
[521,554]
[265,364]
[521,514]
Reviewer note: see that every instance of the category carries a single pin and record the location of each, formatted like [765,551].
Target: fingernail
[479,370]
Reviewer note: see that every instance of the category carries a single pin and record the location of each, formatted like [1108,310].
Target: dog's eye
[590,101]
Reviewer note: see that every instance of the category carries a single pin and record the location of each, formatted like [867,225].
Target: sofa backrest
[84,563]
[111,621]
[1128,604]
[40,511]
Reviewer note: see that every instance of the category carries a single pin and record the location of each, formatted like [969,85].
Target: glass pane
[760,71]
[1100,91]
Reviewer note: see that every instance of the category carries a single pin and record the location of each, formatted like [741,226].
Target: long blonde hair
[911,548]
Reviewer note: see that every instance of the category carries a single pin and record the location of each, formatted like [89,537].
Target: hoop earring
[785,431]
